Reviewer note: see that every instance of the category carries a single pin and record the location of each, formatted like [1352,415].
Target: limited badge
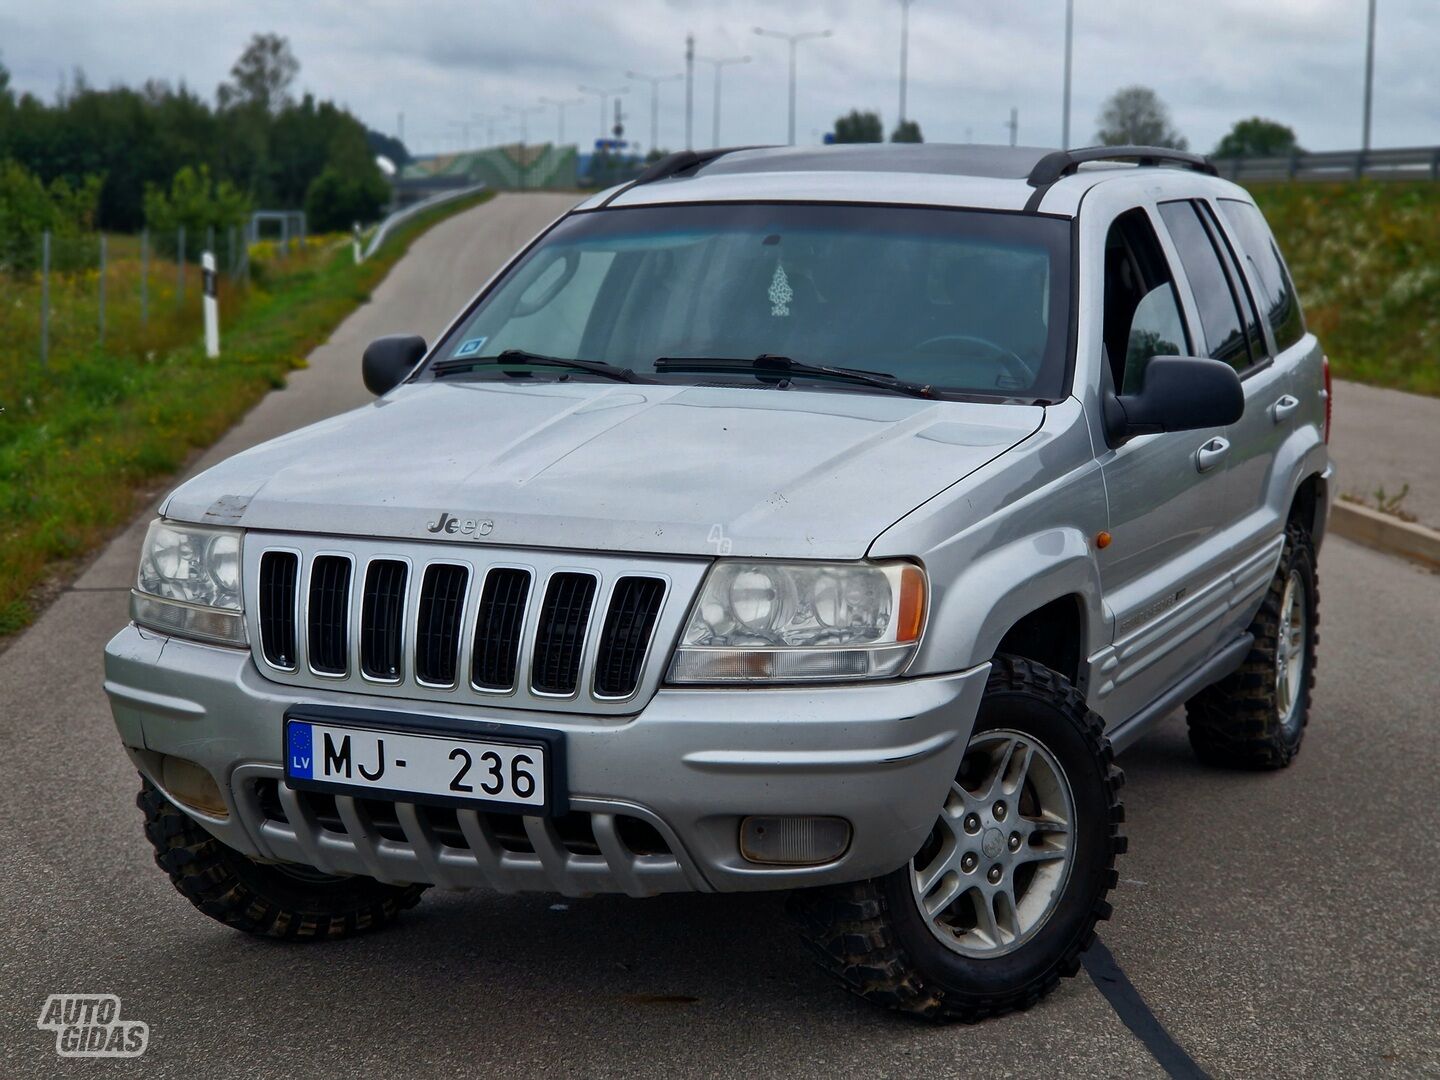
[470,347]
[780,292]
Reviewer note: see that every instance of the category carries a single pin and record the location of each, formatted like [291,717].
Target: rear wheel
[1003,896]
[1256,717]
[277,900]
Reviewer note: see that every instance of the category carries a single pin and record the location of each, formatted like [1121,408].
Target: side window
[1239,284]
[1215,294]
[1155,331]
[1282,307]
[1142,313]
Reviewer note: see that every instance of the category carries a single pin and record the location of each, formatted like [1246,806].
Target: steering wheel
[1013,366]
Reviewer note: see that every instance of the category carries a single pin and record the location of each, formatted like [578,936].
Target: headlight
[798,622]
[189,583]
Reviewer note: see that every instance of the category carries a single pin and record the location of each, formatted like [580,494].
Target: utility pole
[1369,77]
[904,51]
[1014,125]
[603,95]
[689,94]
[794,41]
[464,126]
[560,107]
[1069,45]
[655,81]
[719,63]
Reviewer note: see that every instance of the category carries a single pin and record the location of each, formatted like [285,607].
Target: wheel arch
[1037,598]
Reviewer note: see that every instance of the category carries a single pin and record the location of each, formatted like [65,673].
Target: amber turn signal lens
[1102,540]
[911,616]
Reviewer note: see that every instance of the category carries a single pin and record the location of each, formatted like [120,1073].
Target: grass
[1366,261]
[82,440]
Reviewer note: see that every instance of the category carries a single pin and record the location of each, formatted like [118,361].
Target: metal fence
[82,282]
[1406,163]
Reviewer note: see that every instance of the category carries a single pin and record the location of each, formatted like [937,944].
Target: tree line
[118,158]
[1132,116]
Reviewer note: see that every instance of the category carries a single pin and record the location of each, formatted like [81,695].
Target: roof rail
[678,162]
[1060,163]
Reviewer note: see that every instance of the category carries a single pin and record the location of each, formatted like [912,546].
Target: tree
[1135,116]
[262,76]
[1258,137]
[906,131]
[859,127]
[197,203]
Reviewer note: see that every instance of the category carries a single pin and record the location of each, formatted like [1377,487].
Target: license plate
[416,766]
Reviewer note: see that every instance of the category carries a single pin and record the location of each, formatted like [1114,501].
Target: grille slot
[382,612]
[498,625]
[437,628]
[278,570]
[634,607]
[328,622]
[560,637]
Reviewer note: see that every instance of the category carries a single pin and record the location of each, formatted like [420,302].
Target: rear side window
[1277,291]
[1215,293]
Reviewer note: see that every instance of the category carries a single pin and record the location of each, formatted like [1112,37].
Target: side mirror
[389,359]
[1181,393]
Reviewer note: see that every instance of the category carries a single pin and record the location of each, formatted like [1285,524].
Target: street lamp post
[654,81]
[719,63]
[560,107]
[1369,77]
[1069,44]
[793,40]
[488,119]
[523,111]
[904,52]
[603,95]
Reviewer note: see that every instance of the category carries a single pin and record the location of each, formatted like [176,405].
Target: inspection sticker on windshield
[470,347]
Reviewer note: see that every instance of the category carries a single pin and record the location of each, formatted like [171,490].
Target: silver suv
[806,519]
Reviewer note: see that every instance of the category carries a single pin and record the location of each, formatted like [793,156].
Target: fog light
[794,841]
[192,785]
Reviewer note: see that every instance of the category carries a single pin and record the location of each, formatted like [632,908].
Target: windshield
[971,302]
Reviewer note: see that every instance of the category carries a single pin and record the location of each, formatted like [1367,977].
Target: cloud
[441,61]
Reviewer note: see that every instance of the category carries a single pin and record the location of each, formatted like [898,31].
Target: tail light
[1329,395]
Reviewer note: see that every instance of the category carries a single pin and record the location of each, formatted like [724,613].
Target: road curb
[1386,532]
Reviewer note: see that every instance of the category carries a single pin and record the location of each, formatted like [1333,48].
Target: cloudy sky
[442,61]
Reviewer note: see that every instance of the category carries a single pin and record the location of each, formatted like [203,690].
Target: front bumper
[690,766]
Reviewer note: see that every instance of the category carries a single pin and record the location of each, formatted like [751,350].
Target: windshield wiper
[766,364]
[520,356]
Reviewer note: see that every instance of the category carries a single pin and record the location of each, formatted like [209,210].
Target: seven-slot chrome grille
[523,629]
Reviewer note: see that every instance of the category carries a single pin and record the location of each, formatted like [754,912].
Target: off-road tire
[259,898]
[870,934]
[1236,722]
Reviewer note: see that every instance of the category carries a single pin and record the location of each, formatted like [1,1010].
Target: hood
[681,470]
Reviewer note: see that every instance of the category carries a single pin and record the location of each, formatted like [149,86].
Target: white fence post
[212,304]
[355,245]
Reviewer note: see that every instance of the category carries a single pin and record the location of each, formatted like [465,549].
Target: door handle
[1284,408]
[1211,454]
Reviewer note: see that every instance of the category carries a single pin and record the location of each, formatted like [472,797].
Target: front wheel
[1003,897]
[275,900]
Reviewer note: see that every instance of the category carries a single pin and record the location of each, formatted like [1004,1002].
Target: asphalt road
[1276,925]
[1388,440]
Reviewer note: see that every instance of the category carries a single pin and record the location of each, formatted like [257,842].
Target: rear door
[1273,387]
[1252,525]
